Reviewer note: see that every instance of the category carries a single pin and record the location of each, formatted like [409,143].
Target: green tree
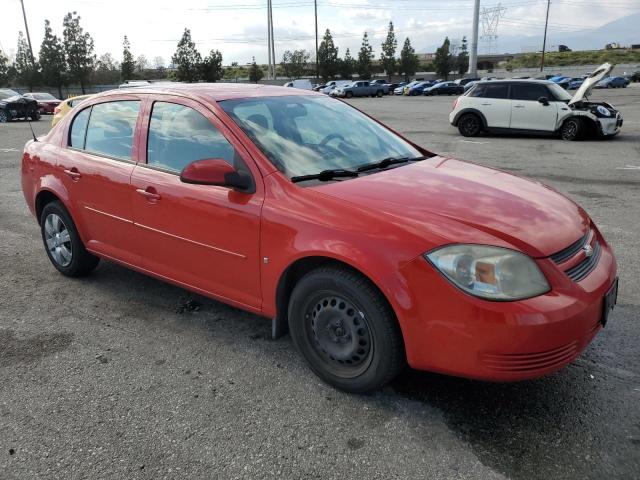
[128,65]
[52,62]
[294,63]
[26,69]
[328,61]
[255,72]
[347,66]
[442,61]
[78,47]
[107,70]
[388,57]
[463,57]
[365,58]
[408,60]
[187,59]
[212,66]
[4,70]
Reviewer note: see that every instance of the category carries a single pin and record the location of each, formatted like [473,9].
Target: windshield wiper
[387,162]
[325,175]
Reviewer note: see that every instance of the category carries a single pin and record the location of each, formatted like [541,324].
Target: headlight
[493,273]
[603,111]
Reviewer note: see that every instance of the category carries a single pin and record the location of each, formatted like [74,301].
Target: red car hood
[525,214]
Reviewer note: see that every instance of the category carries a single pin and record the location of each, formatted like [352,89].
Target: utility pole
[544,41]
[26,27]
[473,55]
[273,42]
[269,72]
[315,6]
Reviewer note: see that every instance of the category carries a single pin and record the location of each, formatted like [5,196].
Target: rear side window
[179,135]
[528,91]
[498,90]
[111,128]
[79,129]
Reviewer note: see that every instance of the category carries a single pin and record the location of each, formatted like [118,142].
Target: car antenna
[35,139]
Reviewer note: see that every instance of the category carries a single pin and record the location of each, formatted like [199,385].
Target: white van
[303,84]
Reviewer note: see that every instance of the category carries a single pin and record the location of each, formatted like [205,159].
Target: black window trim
[84,143]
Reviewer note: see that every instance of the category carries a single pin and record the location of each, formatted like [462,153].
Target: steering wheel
[328,138]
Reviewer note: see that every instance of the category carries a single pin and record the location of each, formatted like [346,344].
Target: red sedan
[371,250]
[46,102]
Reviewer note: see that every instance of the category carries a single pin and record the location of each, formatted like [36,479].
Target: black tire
[345,330]
[35,116]
[469,125]
[348,94]
[4,116]
[380,93]
[82,262]
[571,129]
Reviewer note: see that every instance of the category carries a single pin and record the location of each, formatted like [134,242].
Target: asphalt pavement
[118,375]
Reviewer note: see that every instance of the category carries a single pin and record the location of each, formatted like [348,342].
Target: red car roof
[216,91]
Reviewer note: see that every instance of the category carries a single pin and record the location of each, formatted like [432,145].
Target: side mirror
[544,101]
[215,171]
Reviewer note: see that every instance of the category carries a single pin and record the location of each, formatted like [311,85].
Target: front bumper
[608,127]
[448,331]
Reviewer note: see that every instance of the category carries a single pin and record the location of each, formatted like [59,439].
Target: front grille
[571,250]
[530,362]
[585,267]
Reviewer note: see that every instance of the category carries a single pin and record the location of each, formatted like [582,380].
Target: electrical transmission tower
[490,18]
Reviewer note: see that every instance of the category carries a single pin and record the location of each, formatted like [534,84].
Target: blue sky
[238,27]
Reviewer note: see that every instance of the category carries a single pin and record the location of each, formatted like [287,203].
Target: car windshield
[304,135]
[43,96]
[6,93]
[559,92]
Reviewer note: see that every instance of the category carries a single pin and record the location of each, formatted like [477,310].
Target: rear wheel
[345,330]
[348,94]
[469,125]
[62,242]
[571,129]
[35,115]
[380,93]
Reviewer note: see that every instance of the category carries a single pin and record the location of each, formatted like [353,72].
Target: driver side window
[179,135]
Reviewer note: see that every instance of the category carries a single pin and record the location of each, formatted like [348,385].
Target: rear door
[527,113]
[492,99]
[96,170]
[202,236]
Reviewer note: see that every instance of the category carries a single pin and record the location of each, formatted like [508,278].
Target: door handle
[150,194]
[485,104]
[73,173]
[518,106]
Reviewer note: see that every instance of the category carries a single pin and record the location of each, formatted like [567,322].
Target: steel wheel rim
[58,240]
[339,334]
[3,116]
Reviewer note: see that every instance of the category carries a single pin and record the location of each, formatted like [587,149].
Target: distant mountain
[625,31]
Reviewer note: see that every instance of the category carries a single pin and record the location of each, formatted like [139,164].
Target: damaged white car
[535,106]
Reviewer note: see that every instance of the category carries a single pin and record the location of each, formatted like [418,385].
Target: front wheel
[469,125]
[571,129]
[4,116]
[62,242]
[345,330]
[348,94]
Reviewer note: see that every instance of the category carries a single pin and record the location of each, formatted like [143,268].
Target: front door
[96,169]
[204,237]
[527,113]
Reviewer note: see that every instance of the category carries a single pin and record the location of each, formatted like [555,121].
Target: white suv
[535,106]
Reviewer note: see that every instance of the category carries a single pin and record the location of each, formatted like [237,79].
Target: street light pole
[315,6]
[544,41]
[269,67]
[473,55]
